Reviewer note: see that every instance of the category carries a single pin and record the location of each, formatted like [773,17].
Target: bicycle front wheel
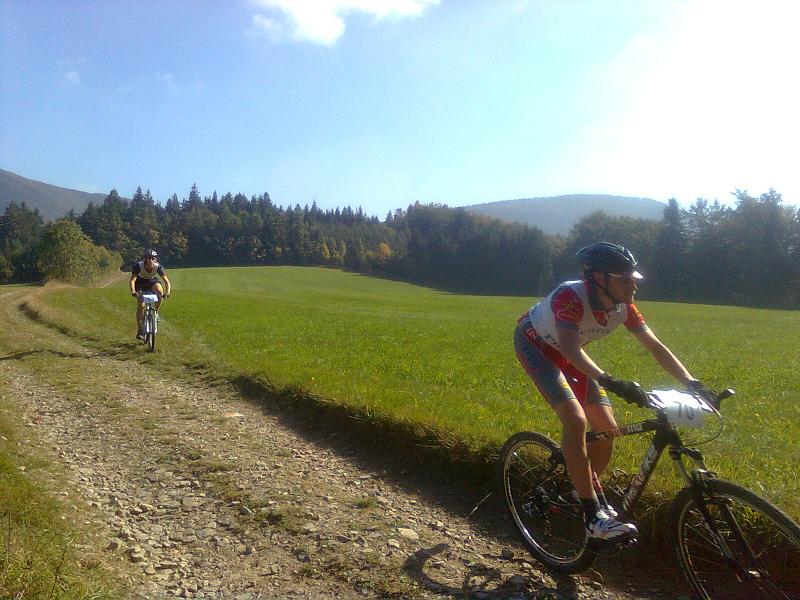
[749,551]
[538,493]
[151,330]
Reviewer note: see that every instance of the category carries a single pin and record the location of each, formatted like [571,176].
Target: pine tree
[669,269]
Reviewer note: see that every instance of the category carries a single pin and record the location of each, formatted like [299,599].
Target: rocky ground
[195,491]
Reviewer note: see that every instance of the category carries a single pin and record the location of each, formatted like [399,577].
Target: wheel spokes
[747,556]
[533,486]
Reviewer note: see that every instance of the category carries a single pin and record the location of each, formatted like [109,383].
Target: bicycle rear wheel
[151,330]
[754,554]
[538,493]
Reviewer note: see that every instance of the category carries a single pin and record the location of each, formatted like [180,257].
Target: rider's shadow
[27,353]
[482,581]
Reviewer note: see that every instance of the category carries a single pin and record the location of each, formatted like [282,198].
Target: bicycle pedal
[610,547]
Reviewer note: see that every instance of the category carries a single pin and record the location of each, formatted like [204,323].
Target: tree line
[31,250]
[747,254]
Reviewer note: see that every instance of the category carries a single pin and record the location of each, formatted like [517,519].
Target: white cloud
[264,27]
[168,80]
[323,21]
[73,77]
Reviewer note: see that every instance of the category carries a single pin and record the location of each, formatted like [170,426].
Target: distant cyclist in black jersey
[145,278]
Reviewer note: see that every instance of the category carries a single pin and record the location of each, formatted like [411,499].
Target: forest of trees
[31,250]
[748,254]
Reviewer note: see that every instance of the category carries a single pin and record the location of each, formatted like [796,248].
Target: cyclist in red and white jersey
[549,342]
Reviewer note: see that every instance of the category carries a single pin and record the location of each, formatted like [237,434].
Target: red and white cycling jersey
[569,306]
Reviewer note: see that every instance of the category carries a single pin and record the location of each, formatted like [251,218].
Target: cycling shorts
[145,285]
[555,377]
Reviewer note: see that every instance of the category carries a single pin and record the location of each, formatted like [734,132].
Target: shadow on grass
[27,353]
[35,316]
[115,350]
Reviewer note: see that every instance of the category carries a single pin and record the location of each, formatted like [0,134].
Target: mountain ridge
[53,201]
[557,214]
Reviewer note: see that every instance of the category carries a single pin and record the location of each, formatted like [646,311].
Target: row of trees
[747,254]
[31,250]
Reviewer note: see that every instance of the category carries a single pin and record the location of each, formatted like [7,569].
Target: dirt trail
[196,491]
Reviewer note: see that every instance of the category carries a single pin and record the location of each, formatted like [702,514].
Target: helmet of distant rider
[605,257]
[150,254]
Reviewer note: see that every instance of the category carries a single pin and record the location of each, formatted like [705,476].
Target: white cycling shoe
[606,528]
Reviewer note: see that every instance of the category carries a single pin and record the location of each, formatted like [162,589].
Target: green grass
[42,553]
[443,364]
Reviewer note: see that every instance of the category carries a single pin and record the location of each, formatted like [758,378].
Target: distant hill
[557,214]
[52,201]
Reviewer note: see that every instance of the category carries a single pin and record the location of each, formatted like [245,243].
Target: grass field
[443,364]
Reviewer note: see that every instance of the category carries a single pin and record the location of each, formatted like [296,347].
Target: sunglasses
[625,278]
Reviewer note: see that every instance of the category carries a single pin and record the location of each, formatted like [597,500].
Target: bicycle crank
[610,547]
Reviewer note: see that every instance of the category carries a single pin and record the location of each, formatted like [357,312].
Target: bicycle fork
[151,321]
[696,481]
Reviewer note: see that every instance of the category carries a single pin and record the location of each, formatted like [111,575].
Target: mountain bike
[731,544]
[150,321]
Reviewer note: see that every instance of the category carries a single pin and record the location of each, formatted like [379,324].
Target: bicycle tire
[773,537]
[538,494]
[151,334]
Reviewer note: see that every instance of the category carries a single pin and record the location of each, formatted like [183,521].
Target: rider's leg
[139,309]
[603,524]
[556,388]
[601,418]
[600,522]
[158,290]
[139,316]
[573,441]
[551,383]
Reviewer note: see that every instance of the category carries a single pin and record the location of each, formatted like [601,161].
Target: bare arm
[570,341]
[166,281]
[664,356]
[572,351]
[132,283]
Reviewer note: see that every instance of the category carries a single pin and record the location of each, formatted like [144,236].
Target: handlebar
[716,400]
[687,408]
[726,393]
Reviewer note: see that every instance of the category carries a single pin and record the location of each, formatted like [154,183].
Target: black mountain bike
[731,544]
[150,321]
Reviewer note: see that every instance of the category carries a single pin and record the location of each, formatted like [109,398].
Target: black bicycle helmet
[150,254]
[605,257]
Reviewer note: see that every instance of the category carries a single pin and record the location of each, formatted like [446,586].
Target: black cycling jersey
[142,273]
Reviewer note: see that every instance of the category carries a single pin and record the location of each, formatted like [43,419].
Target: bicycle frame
[666,436]
[150,318]
[148,303]
[148,310]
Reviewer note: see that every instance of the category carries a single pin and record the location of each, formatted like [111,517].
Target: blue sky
[381,103]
